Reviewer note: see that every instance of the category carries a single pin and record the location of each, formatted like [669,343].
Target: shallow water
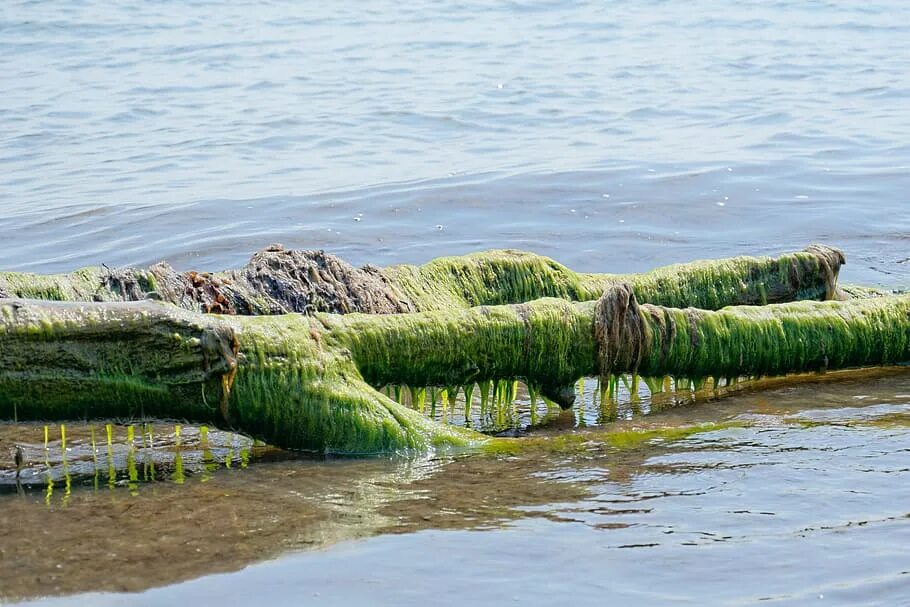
[789,495]
[610,136]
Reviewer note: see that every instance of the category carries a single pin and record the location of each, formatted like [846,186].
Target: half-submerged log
[278,281]
[310,382]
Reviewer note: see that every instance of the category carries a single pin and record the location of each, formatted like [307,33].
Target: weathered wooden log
[276,281]
[309,382]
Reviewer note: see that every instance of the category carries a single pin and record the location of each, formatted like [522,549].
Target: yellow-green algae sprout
[278,281]
[312,382]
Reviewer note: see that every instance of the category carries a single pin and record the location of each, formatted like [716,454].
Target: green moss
[81,285]
[507,276]
[69,361]
[488,278]
[714,284]
[293,390]
[271,377]
[547,341]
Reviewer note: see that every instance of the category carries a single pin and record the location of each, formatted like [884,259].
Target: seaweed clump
[278,281]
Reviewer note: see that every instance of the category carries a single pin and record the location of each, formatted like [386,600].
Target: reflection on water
[512,408]
[73,453]
[172,451]
[759,470]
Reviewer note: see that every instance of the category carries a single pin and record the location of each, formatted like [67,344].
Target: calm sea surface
[612,136]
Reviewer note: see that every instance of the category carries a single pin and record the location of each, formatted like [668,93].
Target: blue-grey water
[612,136]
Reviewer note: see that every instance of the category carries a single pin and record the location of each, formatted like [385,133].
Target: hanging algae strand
[278,281]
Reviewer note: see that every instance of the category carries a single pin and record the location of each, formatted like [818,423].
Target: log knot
[620,331]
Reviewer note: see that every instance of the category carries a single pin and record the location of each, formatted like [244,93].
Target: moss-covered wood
[503,277]
[273,377]
[278,281]
[794,337]
[309,382]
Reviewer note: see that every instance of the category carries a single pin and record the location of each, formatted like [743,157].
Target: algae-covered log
[502,277]
[308,382]
[293,380]
[277,281]
[739,341]
[273,377]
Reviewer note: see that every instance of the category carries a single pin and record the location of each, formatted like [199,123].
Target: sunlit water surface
[610,136]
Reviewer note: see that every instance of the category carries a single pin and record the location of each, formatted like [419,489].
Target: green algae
[655,384]
[85,284]
[468,391]
[487,278]
[508,276]
[293,384]
[271,377]
[693,344]
[617,439]
[548,341]
[775,340]
[75,287]
[637,438]
[86,361]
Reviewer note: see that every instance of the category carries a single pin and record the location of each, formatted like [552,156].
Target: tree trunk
[276,281]
[311,382]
